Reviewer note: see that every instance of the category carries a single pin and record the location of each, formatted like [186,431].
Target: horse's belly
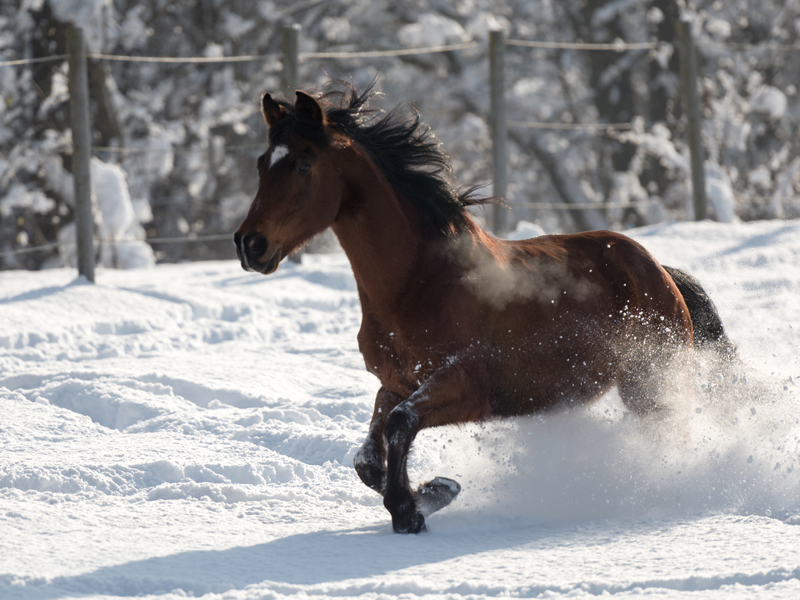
[529,384]
[528,400]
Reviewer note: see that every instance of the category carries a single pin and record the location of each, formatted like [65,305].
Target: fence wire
[33,61]
[618,46]
[101,241]
[41,248]
[249,57]
[390,53]
[568,126]
[128,150]
[183,59]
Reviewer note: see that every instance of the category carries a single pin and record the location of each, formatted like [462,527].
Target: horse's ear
[308,109]
[272,111]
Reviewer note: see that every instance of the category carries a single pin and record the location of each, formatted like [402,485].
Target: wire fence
[117,241]
[595,127]
[571,126]
[250,57]
[33,61]
[616,46]
[129,150]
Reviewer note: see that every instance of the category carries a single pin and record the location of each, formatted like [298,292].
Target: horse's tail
[707,324]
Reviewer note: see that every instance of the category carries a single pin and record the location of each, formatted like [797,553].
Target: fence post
[691,106]
[290,39]
[497,122]
[81,149]
[290,50]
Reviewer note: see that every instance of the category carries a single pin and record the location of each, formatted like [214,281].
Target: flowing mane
[404,149]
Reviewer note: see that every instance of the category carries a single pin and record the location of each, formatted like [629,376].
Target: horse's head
[298,188]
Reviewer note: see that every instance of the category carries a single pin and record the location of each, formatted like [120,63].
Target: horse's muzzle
[251,248]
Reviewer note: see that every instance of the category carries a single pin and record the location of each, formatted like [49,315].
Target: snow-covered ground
[189,430]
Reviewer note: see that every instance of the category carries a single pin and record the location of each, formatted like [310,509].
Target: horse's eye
[302,167]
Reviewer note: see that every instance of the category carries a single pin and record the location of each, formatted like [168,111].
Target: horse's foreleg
[370,460]
[456,394]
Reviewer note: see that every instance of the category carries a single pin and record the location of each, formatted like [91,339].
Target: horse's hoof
[414,524]
[370,469]
[373,477]
[436,494]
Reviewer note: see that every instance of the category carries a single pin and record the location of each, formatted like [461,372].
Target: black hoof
[415,523]
[373,477]
[436,494]
[370,469]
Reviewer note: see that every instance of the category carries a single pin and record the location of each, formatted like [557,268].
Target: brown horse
[459,326]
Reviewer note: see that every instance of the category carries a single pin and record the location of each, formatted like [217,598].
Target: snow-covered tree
[187,136]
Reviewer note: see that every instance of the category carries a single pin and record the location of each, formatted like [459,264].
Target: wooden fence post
[81,151]
[691,106]
[290,41]
[290,54]
[497,122]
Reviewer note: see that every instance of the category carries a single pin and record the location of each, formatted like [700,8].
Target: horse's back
[620,266]
[594,298]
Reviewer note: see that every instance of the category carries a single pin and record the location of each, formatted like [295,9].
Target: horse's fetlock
[399,505]
[413,524]
[405,517]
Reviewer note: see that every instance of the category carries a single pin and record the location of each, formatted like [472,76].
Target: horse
[460,326]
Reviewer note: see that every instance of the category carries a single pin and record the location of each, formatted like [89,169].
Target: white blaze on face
[277,153]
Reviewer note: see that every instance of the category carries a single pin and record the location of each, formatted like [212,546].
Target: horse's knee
[369,464]
[401,426]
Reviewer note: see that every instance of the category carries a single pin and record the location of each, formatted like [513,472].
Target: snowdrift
[189,429]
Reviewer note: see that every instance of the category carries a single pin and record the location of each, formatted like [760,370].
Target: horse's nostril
[255,245]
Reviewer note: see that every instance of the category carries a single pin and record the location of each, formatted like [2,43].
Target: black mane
[405,150]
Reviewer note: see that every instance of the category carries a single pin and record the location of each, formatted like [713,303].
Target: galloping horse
[459,326]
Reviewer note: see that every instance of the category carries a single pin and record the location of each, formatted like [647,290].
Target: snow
[720,193]
[121,236]
[190,430]
[769,101]
[87,15]
[482,23]
[525,230]
[431,29]
[19,195]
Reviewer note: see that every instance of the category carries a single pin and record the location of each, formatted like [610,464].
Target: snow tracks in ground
[189,430]
[220,391]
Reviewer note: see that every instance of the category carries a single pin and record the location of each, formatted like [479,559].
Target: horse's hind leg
[640,389]
[454,394]
[654,383]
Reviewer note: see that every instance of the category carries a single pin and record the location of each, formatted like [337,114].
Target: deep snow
[189,429]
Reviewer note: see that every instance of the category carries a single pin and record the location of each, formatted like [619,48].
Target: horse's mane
[404,149]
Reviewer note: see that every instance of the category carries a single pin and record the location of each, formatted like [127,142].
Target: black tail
[707,324]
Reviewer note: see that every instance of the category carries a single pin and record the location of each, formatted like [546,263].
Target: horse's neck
[379,232]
